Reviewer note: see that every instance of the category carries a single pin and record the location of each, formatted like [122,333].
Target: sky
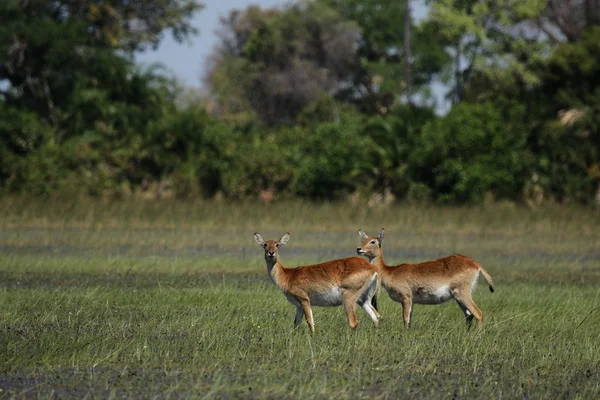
[187,61]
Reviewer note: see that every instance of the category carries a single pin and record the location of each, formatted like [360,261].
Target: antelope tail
[488,278]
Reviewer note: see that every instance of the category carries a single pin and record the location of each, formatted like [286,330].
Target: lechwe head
[347,281]
[431,282]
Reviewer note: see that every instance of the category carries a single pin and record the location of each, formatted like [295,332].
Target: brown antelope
[430,282]
[347,281]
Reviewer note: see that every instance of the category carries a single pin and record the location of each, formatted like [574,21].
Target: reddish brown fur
[345,281]
[344,272]
[430,282]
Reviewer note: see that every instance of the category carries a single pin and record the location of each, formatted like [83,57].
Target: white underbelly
[327,298]
[425,295]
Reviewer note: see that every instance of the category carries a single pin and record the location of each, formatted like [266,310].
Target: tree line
[320,99]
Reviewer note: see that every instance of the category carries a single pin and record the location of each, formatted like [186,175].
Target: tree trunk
[458,94]
[407,55]
[592,12]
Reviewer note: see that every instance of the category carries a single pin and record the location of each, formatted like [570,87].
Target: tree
[490,38]
[71,99]
[40,66]
[278,62]
[386,30]
[474,150]
[567,106]
[564,20]
[407,52]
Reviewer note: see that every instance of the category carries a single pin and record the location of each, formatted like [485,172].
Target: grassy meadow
[172,300]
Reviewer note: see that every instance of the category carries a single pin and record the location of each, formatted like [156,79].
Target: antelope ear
[362,234]
[380,237]
[284,239]
[259,239]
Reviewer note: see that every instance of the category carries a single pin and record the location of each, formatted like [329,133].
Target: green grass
[172,299]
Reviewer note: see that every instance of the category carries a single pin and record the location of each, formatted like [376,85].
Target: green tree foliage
[391,139]
[568,136]
[278,62]
[496,44]
[542,54]
[302,102]
[381,79]
[490,38]
[334,160]
[74,39]
[75,103]
[475,149]
[100,141]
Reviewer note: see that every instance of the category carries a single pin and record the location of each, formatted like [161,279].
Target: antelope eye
[265,245]
[277,245]
[372,242]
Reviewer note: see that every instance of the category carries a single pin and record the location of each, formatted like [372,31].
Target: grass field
[172,300]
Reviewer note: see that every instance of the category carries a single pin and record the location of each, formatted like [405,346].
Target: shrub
[475,149]
[333,160]
[391,139]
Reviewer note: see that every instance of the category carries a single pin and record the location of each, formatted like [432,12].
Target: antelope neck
[378,260]
[274,269]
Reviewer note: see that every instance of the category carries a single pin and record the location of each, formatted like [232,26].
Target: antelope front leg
[350,307]
[406,310]
[308,314]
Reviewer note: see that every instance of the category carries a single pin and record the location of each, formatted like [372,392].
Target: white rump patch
[474,283]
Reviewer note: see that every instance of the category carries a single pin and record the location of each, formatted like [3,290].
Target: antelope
[430,282]
[346,281]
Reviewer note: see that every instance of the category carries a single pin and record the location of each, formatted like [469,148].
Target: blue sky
[187,61]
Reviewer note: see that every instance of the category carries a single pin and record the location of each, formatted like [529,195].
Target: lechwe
[346,281]
[431,282]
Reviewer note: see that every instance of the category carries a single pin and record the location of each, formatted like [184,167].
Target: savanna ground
[172,300]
